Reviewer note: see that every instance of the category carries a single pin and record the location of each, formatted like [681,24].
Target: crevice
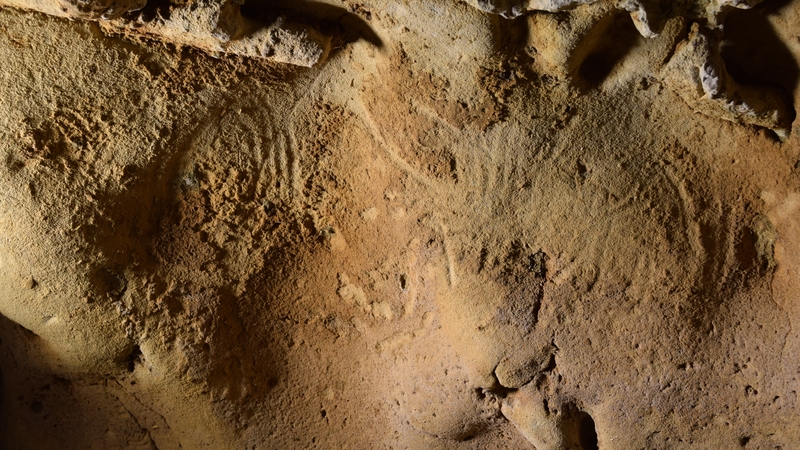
[587,433]
[682,36]
[497,389]
[133,358]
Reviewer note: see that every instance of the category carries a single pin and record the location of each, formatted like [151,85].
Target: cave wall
[399,224]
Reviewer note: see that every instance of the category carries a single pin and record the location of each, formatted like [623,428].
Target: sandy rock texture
[397,224]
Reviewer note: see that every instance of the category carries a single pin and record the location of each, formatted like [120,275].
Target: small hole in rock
[582,170]
[134,357]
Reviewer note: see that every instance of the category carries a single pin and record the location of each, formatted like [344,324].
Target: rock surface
[217,27]
[397,224]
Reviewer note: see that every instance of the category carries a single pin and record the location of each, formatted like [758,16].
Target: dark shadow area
[46,411]
[612,42]
[2,405]
[348,26]
[152,10]
[345,26]
[133,358]
[587,434]
[755,55]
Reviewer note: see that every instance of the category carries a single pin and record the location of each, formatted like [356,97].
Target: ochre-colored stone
[399,225]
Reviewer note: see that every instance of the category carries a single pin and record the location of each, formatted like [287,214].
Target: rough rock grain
[397,224]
